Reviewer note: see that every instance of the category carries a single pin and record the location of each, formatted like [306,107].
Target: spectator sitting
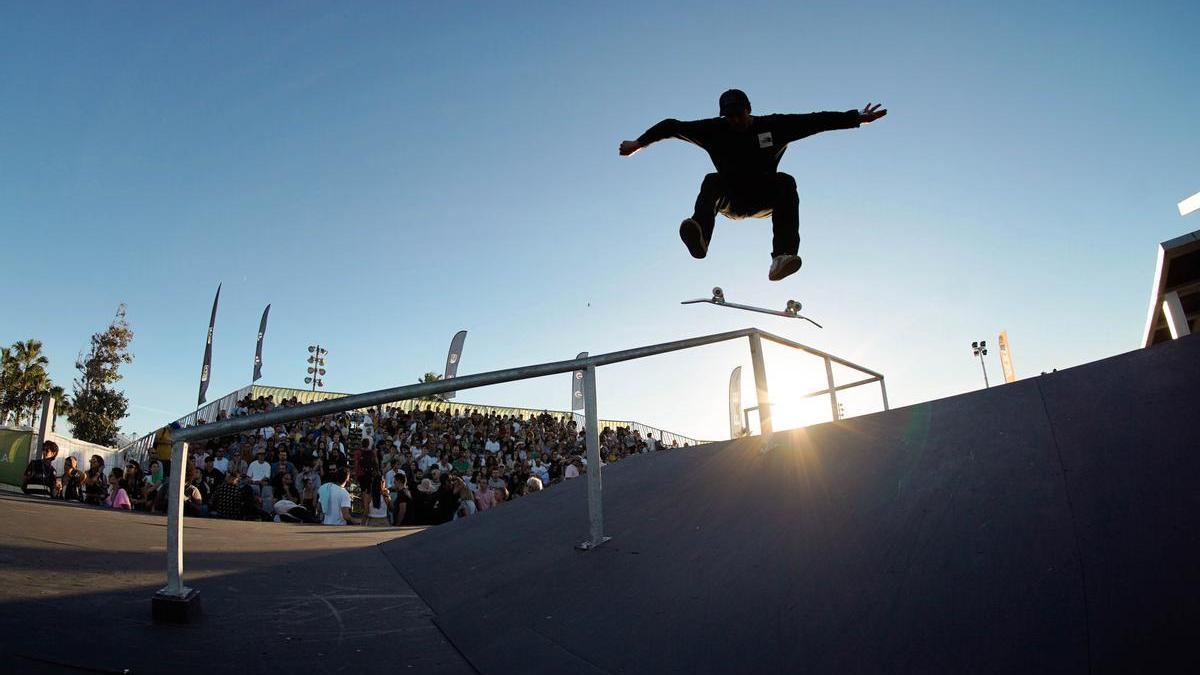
[485,496]
[466,500]
[154,483]
[212,478]
[39,478]
[282,467]
[194,497]
[95,482]
[572,469]
[501,495]
[118,498]
[286,489]
[492,445]
[135,484]
[72,480]
[534,484]
[428,460]
[220,461]
[540,470]
[233,500]
[461,463]
[237,465]
[425,503]
[259,475]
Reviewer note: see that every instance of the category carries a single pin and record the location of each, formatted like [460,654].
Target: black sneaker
[693,238]
[783,266]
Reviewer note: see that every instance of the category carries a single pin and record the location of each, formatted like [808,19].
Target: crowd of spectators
[384,467]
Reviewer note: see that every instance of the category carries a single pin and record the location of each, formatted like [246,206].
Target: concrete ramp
[1050,525]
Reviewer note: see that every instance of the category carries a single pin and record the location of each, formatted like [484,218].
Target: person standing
[376,500]
[335,500]
[402,497]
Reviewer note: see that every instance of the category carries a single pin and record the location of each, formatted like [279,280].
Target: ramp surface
[1048,525]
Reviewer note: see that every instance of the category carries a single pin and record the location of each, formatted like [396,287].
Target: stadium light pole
[980,349]
[316,366]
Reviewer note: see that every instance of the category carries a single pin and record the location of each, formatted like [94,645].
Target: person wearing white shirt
[427,461]
[492,445]
[259,474]
[571,471]
[335,500]
[197,458]
[267,433]
[541,471]
[220,461]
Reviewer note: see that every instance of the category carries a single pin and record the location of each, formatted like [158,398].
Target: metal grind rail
[175,601]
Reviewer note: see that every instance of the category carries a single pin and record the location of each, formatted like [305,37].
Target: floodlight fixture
[316,367]
[979,349]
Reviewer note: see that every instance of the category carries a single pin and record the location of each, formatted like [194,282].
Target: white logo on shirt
[764,140]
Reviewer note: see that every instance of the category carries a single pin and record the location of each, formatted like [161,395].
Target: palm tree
[23,379]
[426,379]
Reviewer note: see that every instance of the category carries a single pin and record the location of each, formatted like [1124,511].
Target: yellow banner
[1006,357]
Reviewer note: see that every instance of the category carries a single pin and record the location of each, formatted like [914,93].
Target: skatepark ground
[76,582]
[1049,525]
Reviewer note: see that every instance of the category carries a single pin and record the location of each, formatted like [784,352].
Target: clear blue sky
[386,174]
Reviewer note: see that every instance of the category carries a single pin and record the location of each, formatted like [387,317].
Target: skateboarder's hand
[629,147]
[871,113]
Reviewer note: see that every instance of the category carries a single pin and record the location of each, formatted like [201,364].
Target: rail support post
[595,486]
[833,402]
[760,386]
[175,603]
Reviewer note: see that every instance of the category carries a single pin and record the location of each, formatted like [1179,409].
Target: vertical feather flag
[262,330]
[206,369]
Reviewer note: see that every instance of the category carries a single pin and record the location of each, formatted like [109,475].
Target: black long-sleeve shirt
[744,156]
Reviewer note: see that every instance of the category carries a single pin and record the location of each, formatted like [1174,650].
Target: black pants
[775,195]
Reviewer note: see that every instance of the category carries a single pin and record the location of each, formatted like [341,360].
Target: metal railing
[588,365]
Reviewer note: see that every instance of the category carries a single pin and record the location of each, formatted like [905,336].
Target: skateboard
[790,311]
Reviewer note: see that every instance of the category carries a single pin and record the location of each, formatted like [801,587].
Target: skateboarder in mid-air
[746,150]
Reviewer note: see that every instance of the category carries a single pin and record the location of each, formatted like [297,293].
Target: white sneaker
[783,265]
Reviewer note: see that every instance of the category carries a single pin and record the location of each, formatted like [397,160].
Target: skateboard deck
[791,311]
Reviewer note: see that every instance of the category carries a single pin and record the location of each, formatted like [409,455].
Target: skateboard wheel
[718,294]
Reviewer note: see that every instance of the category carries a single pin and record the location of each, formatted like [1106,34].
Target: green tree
[427,378]
[96,408]
[24,381]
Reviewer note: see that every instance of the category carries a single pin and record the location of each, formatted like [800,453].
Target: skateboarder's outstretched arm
[795,127]
[696,132]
